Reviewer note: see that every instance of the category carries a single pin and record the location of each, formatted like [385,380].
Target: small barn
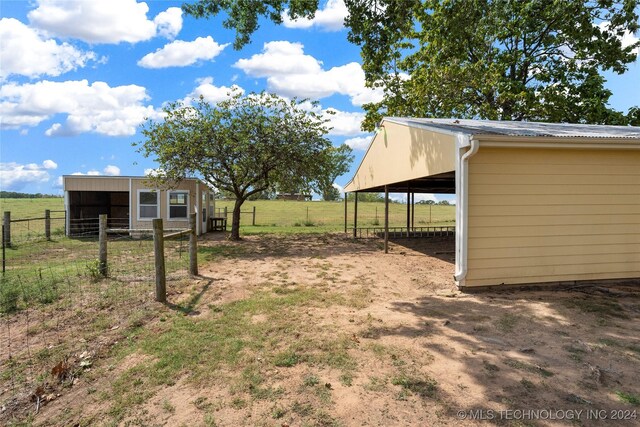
[535,202]
[132,202]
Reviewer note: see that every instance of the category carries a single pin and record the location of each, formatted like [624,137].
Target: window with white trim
[148,204]
[178,204]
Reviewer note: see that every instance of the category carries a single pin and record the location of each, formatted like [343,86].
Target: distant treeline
[15,195]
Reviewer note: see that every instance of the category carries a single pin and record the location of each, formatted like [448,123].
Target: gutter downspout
[471,146]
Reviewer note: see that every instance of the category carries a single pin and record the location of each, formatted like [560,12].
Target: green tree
[244,145]
[495,59]
[338,162]
[490,59]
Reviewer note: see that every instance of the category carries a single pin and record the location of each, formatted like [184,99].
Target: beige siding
[98,183]
[400,153]
[548,215]
[142,184]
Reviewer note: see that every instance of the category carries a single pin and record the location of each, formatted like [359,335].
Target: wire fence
[310,216]
[57,312]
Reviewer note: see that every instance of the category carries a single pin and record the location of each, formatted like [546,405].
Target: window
[178,204]
[147,204]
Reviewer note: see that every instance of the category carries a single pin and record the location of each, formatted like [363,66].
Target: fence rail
[399,232]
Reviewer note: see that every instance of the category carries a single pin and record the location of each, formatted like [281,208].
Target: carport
[535,202]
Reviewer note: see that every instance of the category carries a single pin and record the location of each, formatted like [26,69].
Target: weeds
[630,398]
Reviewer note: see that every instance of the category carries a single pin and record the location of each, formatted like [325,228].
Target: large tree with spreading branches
[244,145]
[490,59]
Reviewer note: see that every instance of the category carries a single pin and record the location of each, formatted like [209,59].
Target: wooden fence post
[225,212]
[158,249]
[47,224]
[253,221]
[102,238]
[6,236]
[4,258]
[193,246]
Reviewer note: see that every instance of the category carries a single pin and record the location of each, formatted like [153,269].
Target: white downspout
[462,201]
[67,208]
[198,214]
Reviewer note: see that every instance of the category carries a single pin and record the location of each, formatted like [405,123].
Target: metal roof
[525,129]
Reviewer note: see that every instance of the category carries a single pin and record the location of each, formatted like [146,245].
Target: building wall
[143,184]
[547,215]
[122,184]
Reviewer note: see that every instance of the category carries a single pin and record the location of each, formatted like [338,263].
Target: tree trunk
[235,221]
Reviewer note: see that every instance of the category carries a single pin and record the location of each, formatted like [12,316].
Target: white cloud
[211,93]
[627,39]
[92,172]
[14,176]
[26,52]
[331,18]
[153,172]
[338,187]
[169,22]
[344,123]
[181,53]
[104,21]
[49,164]
[111,170]
[280,58]
[99,108]
[359,142]
[291,73]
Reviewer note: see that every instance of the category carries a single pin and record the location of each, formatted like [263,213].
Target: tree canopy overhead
[244,145]
[490,59]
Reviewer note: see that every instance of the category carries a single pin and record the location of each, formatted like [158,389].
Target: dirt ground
[424,354]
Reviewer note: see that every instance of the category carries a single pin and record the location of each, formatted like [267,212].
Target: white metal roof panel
[525,129]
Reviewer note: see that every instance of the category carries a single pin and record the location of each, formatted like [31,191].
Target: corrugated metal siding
[547,215]
[99,183]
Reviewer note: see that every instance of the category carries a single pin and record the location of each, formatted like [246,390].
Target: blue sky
[78,77]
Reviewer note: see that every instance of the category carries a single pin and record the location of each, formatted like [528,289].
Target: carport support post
[193,246]
[345,213]
[355,214]
[413,210]
[386,219]
[408,209]
[158,249]
[102,244]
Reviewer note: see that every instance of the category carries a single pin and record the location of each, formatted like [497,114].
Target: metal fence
[58,308]
[301,216]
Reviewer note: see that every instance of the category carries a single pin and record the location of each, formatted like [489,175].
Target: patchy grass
[507,322]
[630,398]
[601,306]
[421,385]
[527,367]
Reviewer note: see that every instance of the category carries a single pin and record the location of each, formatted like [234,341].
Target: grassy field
[272,216]
[278,216]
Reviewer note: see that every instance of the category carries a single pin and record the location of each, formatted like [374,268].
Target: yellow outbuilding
[535,202]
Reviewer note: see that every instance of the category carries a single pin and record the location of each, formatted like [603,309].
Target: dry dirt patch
[338,333]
